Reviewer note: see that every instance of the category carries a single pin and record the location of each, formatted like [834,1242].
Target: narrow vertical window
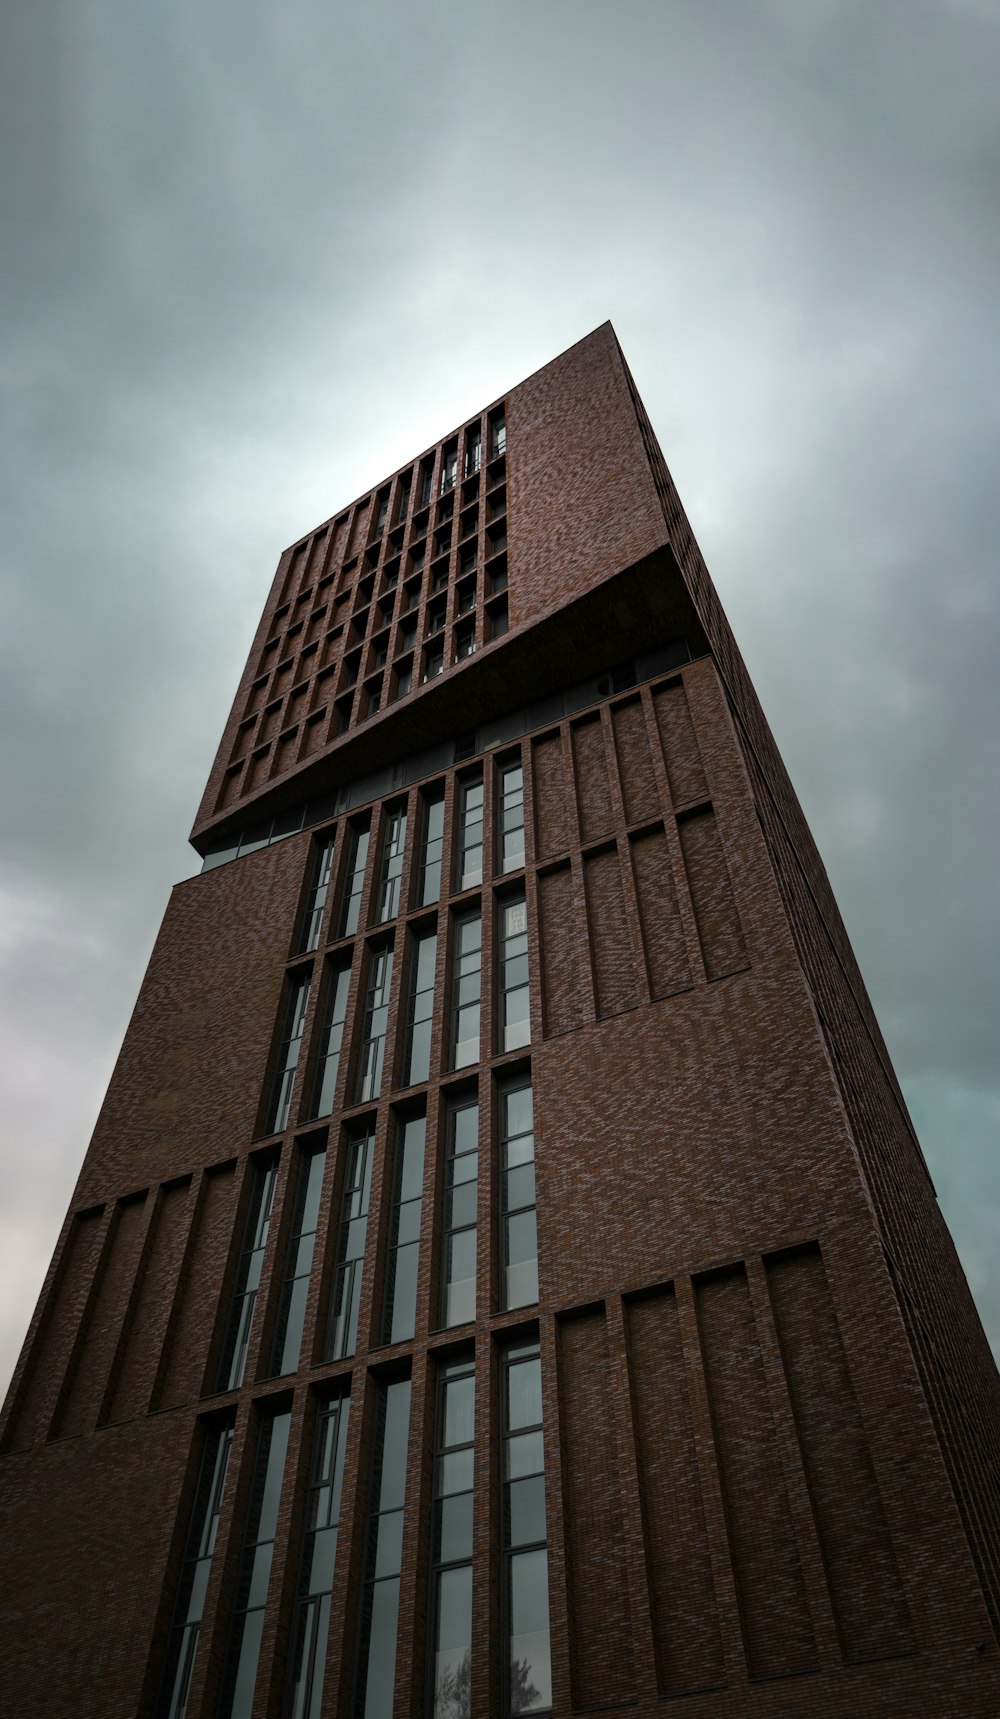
[511,809]
[331,1040]
[465,640]
[519,1230]
[189,1607]
[296,1004]
[313,921]
[393,845]
[380,1597]
[461,1198]
[381,514]
[354,882]
[298,1262]
[240,1676]
[473,451]
[249,1267]
[470,834]
[423,962]
[526,1567]
[432,843]
[515,1002]
[426,482]
[451,1547]
[466,989]
[449,469]
[342,1333]
[498,435]
[311,1623]
[403,487]
[376,1018]
[404,1231]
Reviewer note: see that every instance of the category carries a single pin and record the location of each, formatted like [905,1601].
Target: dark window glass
[470,834]
[473,451]
[431,846]
[354,882]
[498,436]
[426,484]
[467,598]
[376,1017]
[297,1002]
[342,1332]
[240,1678]
[519,1236]
[249,1267]
[466,989]
[436,614]
[515,1003]
[404,679]
[382,514]
[298,1261]
[380,1595]
[460,1213]
[404,1231]
[449,470]
[465,641]
[322,860]
[433,661]
[188,1611]
[451,1553]
[393,846]
[511,809]
[526,1580]
[311,1623]
[499,619]
[423,961]
[338,987]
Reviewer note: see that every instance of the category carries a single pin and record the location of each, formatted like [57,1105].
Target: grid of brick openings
[379,600]
[508,1363]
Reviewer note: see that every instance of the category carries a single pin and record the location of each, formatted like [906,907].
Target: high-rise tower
[503,1278]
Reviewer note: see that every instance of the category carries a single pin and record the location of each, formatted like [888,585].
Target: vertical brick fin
[559,937]
[140,1355]
[551,819]
[590,765]
[82,1396]
[635,767]
[680,744]
[678,1560]
[777,1632]
[662,927]
[865,1587]
[198,1293]
[60,1323]
[601,1664]
[611,944]
[712,897]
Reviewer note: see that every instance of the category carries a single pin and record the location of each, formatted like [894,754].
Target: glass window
[393,846]
[338,988]
[232,1366]
[426,483]
[404,679]
[354,882]
[423,962]
[298,1261]
[498,435]
[460,1211]
[297,1002]
[189,1608]
[382,513]
[404,1231]
[451,1554]
[515,1002]
[311,1622]
[526,1584]
[449,470]
[376,1018]
[342,1333]
[380,1595]
[465,641]
[511,809]
[473,451]
[433,661]
[466,989]
[430,851]
[470,834]
[519,1234]
[436,614]
[240,1677]
[499,619]
[322,862]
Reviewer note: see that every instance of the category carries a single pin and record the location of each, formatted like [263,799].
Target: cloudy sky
[257,256]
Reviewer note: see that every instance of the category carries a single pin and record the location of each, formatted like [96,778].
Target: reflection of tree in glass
[453,1696]
[524,1697]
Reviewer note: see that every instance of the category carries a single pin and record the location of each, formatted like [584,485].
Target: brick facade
[770,1415]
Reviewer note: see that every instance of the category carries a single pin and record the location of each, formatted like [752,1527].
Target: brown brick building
[504,1278]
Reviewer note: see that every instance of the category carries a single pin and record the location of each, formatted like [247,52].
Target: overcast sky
[255,257]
